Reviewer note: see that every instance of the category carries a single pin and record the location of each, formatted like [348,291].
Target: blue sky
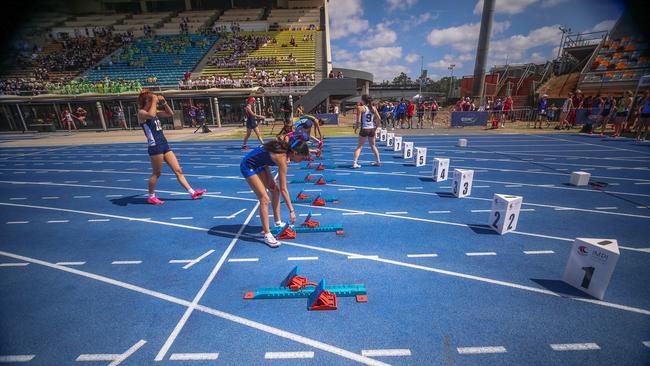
[387,37]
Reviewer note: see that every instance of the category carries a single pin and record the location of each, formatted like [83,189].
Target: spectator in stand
[339,75]
[331,74]
[542,111]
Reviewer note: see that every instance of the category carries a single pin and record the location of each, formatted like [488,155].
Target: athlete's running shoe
[376,163]
[280,223]
[198,193]
[155,200]
[356,166]
[271,241]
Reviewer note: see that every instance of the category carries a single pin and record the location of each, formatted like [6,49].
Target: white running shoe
[271,241]
[280,223]
[356,166]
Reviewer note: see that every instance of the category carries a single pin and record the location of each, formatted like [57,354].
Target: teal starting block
[304,229]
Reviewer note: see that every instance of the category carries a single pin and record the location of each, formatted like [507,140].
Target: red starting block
[310,158]
[321,299]
[321,181]
[287,233]
[302,196]
[309,178]
[320,167]
[310,223]
[318,202]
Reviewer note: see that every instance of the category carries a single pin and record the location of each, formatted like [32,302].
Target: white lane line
[302,258]
[97,181]
[363,257]
[342,173]
[431,255]
[195,302]
[99,220]
[480,350]
[182,218]
[17,222]
[313,214]
[193,356]
[313,343]
[198,259]
[20,264]
[539,252]
[527,209]
[80,196]
[50,198]
[606,208]
[588,169]
[513,186]
[575,347]
[243,260]
[435,212]
[70,181]
[646,343]
[17,198]
[126,262]
[288,355]
[420,187]
[313,190]
[57,221]
[16,358]
[241,192]
[70,263]
[396,213]
[563,208]
[480,186]
[385,352]
[124,180]
[476,254]
[95,357]
[642,183]
[115,359]
[113,195]
[481,210]
[347,189]
[352,213]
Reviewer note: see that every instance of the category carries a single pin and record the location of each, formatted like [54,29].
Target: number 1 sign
[591,265]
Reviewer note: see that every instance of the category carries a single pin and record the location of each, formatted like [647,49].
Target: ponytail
[279,146]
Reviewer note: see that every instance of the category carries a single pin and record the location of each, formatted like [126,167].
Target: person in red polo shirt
[576,101]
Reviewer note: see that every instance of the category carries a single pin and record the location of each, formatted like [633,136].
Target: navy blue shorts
[246,171]
[158,149]
[251,124]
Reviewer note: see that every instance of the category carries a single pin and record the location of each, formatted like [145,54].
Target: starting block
[462,142]
[440,169]
[319,201]
[383,135]
[408,150]
[293,230]
[309,222]
[397,146]
[580,178]
[307,199]
[505,212]
[319,166]
[303,196]
[591,264]
[462,185]
[390,138]
[287,232]
[319,296]
[420,156]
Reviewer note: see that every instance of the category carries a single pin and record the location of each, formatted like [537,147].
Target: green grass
[239,133]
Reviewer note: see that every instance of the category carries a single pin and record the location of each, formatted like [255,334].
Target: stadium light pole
[482,49]
[564,31]
[451,80]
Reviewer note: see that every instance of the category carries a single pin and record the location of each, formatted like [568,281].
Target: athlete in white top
[367,115]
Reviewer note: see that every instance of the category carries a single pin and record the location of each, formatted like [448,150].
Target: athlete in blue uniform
[255,168]
[159,151]
[306,123]
[251,123]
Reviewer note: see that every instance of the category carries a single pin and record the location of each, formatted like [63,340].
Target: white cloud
[378,62]
[506,6]
[446,61]
[341,54]
[412,57]
[463,38]
[400,4]
[605,25]
[551,3]
[515,47]
[538,58]
[345,18]
[382,35]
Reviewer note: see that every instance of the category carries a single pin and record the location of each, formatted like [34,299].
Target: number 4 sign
[591,265]
[505,213]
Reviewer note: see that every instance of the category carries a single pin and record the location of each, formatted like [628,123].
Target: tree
[402,79]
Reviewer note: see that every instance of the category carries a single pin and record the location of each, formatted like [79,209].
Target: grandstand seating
[196,20]
[304,54]
[145,58]
[295,18]
[620,59]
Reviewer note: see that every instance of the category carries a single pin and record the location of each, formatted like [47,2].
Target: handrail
[502,81]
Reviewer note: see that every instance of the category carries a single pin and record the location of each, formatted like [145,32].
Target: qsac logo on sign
[468,119]
[599,256]
[582,250]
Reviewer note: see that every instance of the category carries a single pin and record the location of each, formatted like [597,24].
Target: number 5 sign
[591,265]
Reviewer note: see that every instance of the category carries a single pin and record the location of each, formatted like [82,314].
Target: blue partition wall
[165,57]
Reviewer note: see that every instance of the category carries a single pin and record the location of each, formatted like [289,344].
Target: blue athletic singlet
[155,138]
[255,161]
[304,123]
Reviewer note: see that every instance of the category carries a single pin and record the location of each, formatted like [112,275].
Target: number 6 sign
[408,150]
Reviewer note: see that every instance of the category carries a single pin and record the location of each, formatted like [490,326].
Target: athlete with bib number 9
[368,114]
[159,151]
